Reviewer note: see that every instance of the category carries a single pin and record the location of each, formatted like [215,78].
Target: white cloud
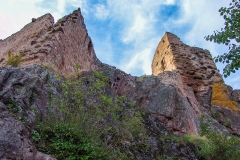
[61,6]
[139,20]
[15,14]
[135,30]
[138,62]
[101,12]
[169,2]
[204,18]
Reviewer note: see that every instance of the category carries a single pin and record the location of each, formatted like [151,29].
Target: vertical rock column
[194,64]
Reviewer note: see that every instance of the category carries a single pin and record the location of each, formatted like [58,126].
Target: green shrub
[14,59]
[63,141]
[216,146]
[220,147]
[88,123]
[212,146]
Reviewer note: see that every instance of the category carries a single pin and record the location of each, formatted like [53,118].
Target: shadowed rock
[23,101]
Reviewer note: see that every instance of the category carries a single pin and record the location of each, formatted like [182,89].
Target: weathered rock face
[168,102]
[199,75]
[195,65]
[225,110]
[185,85]
[235,96]
[60,46]
[24,94]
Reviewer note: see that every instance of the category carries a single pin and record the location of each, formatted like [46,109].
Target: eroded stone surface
[165,98]
[23,100]
[235,95]
[194,64]
[225,110]
[60,46]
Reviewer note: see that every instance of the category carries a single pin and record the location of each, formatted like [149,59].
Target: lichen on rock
[221,97]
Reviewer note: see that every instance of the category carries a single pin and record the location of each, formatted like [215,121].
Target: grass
[14,59]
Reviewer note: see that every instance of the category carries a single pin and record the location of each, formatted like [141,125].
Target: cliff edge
[62,45]
[185,86]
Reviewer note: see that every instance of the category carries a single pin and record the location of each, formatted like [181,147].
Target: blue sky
[125,33]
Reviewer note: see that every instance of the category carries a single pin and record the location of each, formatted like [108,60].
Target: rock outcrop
[194,64]
[24,94]
[225,110]
[163,98]
[61,46]
[184,86]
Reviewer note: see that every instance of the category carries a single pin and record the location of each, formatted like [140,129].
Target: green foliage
[230,36]
[63,141]
[142,77]
[204,126]
[217,115]
[220,147]
[216,145]
[227,123]
[14,59]
[35,136]
[13,107]
[88,123]
[31,99]
[77,67]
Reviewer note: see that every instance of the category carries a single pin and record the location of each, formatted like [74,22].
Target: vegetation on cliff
[89,122]
[14,59]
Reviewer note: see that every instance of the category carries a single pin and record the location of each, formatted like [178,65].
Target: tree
[230,36]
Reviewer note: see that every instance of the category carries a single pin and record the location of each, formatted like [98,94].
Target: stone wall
[61,45]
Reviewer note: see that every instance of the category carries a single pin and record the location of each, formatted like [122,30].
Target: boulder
[24,95]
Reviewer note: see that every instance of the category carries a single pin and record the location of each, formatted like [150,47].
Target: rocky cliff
[184,87]
[198,72]
[194,65]
[60,45]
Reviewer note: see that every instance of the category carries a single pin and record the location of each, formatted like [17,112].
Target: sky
[125,33]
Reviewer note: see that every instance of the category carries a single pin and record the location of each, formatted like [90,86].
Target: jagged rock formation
[163,98]
[199,75]
[61,45]
[185,85]
[194,64]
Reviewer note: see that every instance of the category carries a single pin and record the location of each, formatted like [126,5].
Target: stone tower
[195,65]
